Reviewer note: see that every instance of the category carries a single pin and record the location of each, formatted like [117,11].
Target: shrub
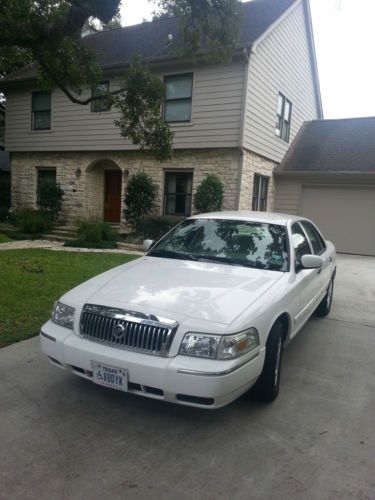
[50,197]
[140,195]
[95,235]
[209,195]
[32,221]
[154,227]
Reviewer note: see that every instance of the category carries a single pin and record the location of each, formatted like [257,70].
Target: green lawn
[31,281]
[4,238]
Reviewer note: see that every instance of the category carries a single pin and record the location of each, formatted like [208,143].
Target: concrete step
[64,232]
[130,246]
[57,237]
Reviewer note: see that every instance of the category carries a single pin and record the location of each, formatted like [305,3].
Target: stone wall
[80,175]
[255,164]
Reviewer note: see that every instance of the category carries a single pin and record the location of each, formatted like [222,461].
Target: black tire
[325,306]
[267,386]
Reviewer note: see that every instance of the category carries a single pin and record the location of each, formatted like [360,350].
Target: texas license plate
[110,376]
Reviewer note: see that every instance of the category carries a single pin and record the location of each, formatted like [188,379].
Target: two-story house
[234,119]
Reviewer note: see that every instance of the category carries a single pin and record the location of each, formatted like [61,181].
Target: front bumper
[180,379]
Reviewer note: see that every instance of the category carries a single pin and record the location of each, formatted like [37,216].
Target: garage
[345,215]
[328,175]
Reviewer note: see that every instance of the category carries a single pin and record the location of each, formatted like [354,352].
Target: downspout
[246,55]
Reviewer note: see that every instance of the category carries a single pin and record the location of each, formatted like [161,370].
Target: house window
[260,192]
[177,193]
[177,107]
[100,105]
[41,110]
[284,116]
[46,178]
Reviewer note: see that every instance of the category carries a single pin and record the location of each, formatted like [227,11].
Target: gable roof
[149,40]
[346,145]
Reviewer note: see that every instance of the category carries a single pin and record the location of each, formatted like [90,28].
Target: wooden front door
[112,195]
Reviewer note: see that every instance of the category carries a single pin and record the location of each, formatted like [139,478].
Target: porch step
[56,237]
[130,246]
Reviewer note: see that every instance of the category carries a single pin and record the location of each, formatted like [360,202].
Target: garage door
[346,216]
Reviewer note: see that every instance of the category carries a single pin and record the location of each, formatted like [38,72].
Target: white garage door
[346,216]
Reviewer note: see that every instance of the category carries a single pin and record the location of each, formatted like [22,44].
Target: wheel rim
[278,360]
[329,294]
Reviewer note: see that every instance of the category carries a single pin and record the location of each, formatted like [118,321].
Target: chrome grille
[127,329]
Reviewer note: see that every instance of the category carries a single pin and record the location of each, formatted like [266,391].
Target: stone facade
[255,164]
[81,176]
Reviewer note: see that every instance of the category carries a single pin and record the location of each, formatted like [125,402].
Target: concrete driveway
[64,437]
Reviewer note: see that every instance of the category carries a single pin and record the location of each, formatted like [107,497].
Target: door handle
[330,259]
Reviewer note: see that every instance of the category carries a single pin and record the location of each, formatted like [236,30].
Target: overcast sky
[345,42]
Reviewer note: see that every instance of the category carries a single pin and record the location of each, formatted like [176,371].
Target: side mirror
[311,261]
[147,244]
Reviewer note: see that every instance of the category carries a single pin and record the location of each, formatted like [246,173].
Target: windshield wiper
[216,258]
[170,254]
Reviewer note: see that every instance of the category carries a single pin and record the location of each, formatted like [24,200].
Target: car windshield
[241,243]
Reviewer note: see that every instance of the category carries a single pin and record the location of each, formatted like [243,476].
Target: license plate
[110,376]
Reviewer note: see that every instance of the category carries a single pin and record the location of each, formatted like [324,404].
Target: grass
[4,238]
[31,281]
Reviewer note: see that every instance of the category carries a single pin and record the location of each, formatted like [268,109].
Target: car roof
[250,216]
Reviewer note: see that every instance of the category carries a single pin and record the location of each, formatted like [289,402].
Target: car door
[319,248]
[308,282]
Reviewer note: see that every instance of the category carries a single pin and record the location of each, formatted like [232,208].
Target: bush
[32,221]
[95,235]
[154,227]
[50,197]
[140,195]
[209,195]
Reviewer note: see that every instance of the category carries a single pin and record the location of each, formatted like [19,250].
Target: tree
[48,32]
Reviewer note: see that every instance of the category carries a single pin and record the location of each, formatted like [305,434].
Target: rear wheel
[268,384]
[325,306]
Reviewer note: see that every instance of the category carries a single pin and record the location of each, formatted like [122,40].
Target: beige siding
[280,63]
[216,117]
[287,195]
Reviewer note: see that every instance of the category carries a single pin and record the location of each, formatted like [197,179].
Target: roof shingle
[346,145]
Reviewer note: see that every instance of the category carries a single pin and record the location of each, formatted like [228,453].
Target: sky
[345,42]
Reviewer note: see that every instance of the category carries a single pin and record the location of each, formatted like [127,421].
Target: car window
[300,243]
[243,243]
[316,240]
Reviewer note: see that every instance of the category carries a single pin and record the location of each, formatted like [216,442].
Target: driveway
[64,437]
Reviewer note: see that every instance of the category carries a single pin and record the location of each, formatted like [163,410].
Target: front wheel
[267,386]
[325,306]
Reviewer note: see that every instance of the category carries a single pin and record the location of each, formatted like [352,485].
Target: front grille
[127,329]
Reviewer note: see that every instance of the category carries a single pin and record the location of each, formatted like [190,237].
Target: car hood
[178,289]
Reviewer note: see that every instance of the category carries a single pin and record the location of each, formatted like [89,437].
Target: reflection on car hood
[178,288]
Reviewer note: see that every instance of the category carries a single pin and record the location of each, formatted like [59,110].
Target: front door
[112,195]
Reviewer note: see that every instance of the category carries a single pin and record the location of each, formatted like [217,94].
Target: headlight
[198,344]
[219,346]
[232,346]
[63,315]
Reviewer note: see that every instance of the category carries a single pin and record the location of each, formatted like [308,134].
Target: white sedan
[204,316]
